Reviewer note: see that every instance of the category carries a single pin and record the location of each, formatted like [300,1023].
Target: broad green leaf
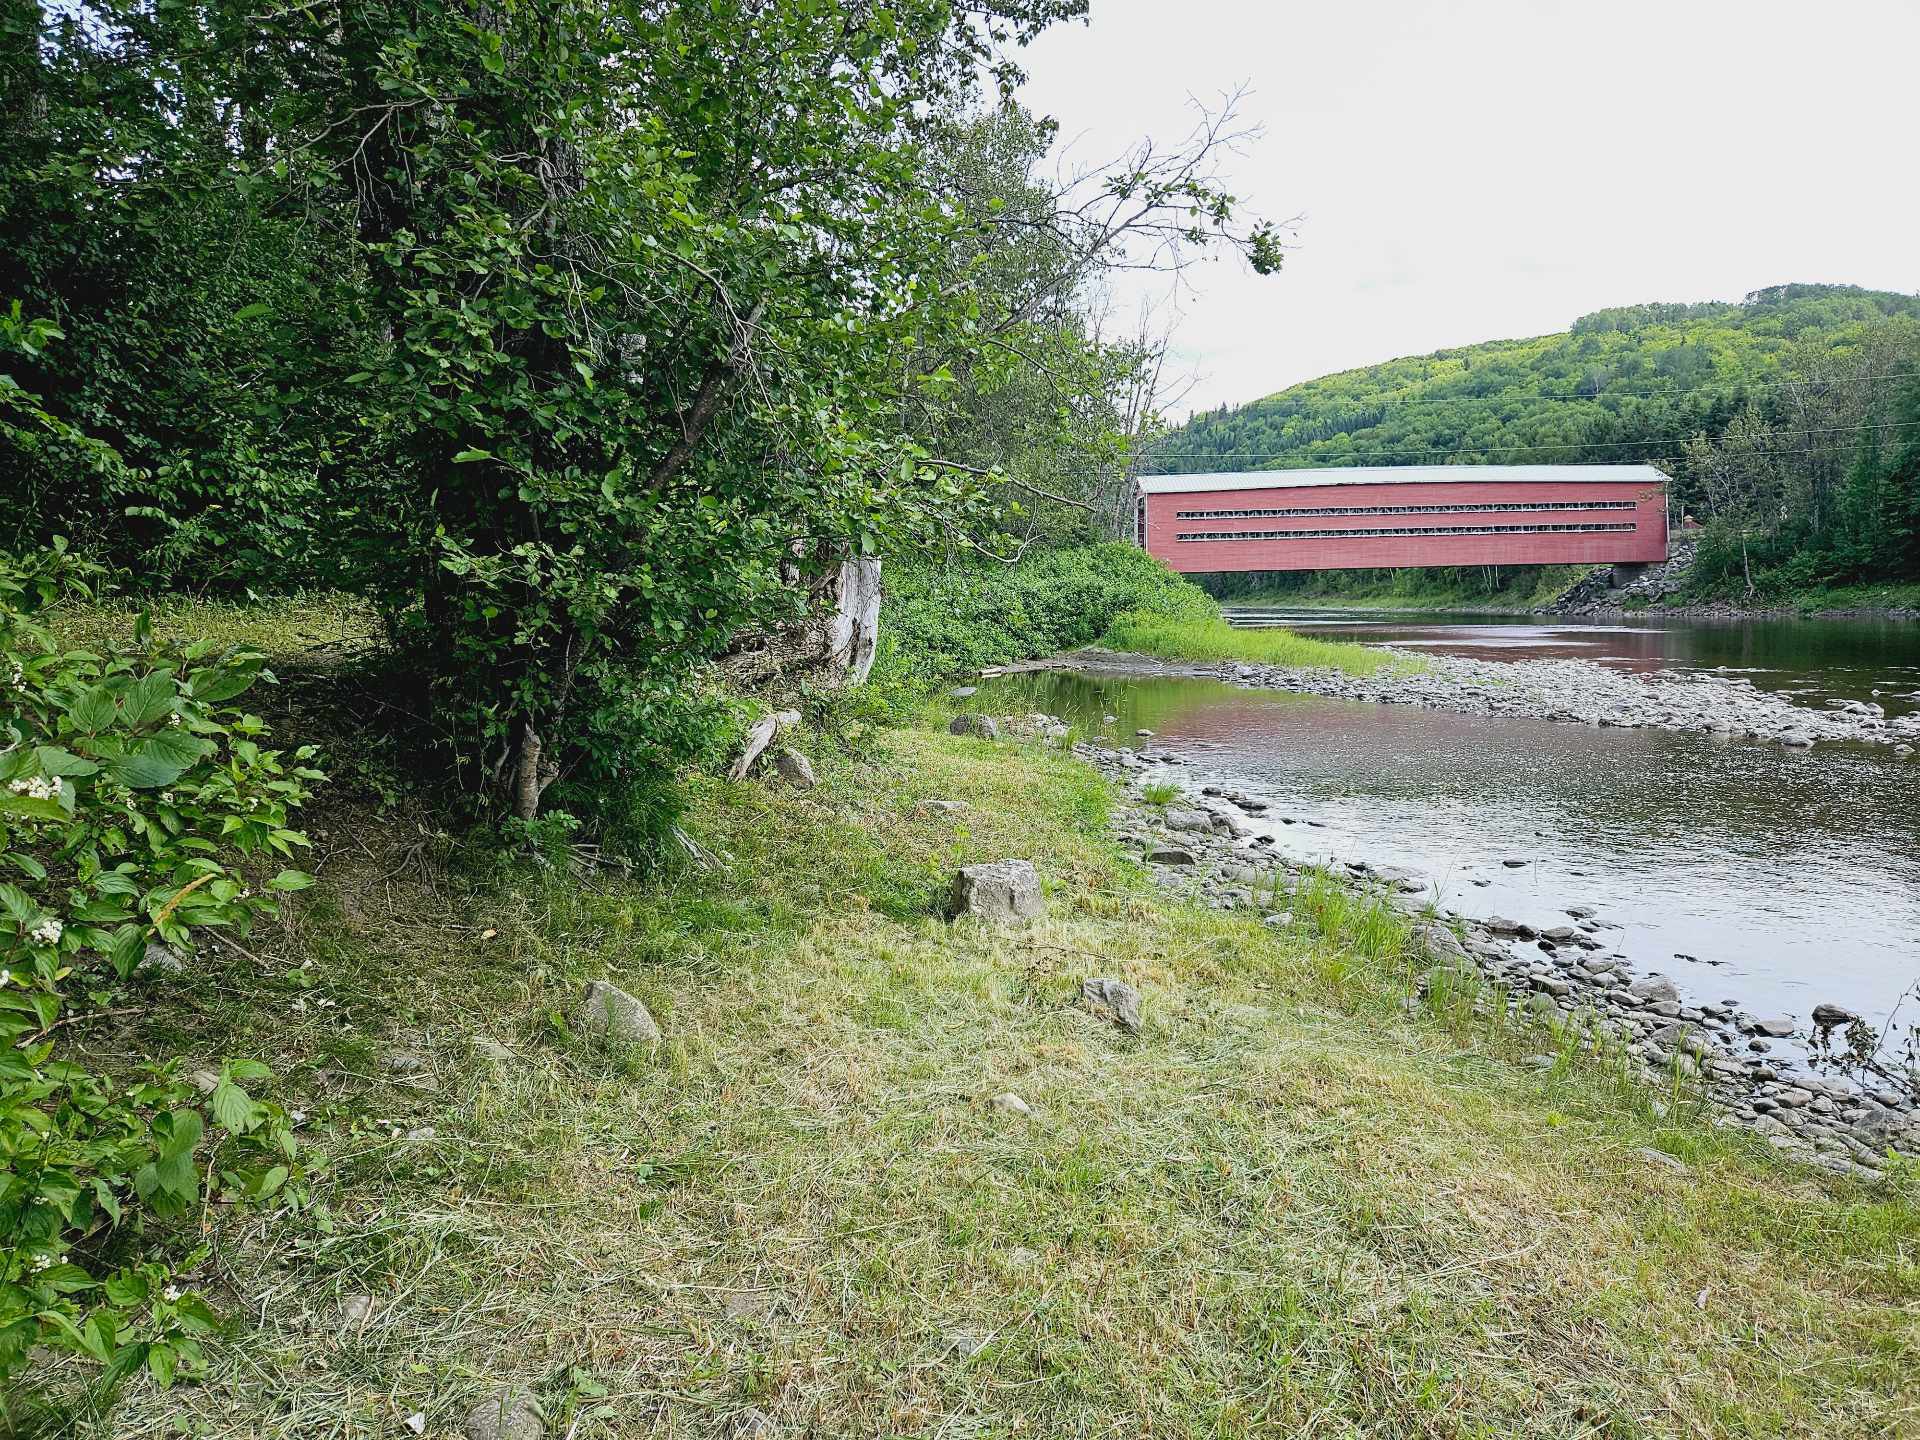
[152,698]
[128,1288]
[232,1107]
[126,1360]
[213,686]
[16,903]
[27,807]
[55,761]
[94,711]
[161,760]
[182,1132]
[177,1175]
[66,1279]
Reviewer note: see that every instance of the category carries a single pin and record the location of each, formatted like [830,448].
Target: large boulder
[609,1013]
[1001,891]
[1657,989]
[984,726]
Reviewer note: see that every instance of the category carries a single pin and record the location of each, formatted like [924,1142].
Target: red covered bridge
[1380,517]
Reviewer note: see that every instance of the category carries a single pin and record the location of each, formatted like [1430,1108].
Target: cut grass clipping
[1289,1205]
[1214,639]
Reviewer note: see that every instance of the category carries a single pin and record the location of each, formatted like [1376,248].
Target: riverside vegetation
[1299,1194]
[586,356]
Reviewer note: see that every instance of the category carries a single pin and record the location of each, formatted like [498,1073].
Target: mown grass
[1215,639]
[1290,1205]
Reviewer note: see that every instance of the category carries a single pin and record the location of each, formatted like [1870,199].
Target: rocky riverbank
[1731,610]
[1760,1072]
[1571,691]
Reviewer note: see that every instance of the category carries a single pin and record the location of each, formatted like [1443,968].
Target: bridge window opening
[1456,509]
[1405,531]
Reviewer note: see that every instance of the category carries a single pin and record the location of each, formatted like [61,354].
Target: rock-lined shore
[1575,691]
[1204,845]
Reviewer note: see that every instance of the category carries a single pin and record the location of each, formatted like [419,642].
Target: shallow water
[1773,878]
[1810,660]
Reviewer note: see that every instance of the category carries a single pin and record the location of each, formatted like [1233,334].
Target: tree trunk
[854,630]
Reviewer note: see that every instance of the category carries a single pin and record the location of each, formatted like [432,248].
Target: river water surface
[1773,878]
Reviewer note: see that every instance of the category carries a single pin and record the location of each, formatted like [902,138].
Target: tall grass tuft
[1204,638]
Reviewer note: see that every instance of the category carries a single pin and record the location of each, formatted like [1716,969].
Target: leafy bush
[938,622]
[136,807]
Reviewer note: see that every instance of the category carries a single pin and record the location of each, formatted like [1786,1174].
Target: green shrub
[136,807]
[944,621]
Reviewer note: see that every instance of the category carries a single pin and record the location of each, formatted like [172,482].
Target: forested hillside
[1788,420]
[1631,383]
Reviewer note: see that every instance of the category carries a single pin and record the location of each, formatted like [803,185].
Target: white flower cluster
[47,1262]
[37,787]
[47,932]
[19,677]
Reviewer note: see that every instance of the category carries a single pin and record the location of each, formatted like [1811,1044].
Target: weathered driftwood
[758,738]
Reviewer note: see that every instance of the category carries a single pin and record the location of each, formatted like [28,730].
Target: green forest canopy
[1632,383]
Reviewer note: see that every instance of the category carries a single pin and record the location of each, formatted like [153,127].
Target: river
[1810,660]
[1772,878]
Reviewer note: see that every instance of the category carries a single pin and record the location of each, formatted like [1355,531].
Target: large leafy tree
[574,332]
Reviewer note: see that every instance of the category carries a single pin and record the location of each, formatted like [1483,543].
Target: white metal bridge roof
[1398,475]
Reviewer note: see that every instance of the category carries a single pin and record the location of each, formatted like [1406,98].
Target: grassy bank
[1286,1205]
[1212,638]
[1514,589]
[1809,599]
[942,623]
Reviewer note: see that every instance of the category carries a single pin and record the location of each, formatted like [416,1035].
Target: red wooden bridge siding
[1527,515]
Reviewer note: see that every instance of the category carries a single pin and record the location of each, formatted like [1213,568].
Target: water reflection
[1811,660]
[1788,878]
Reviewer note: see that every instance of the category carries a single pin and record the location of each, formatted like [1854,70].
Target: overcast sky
[1472,171]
